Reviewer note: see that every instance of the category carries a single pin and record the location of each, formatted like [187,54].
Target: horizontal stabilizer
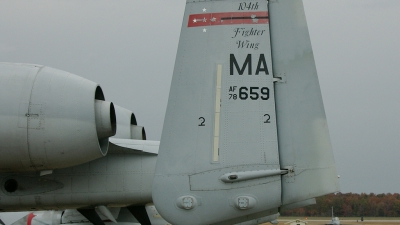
[131,146]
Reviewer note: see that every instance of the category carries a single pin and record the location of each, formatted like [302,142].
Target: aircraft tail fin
[219,146]
[303,136]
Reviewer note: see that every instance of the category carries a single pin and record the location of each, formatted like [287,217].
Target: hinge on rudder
[280,78]
[290,176]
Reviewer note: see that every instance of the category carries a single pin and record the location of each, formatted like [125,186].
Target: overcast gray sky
[129,48]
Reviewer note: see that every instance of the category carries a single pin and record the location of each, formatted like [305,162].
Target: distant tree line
[351,205]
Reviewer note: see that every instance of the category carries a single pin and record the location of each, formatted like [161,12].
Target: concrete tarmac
[344,221]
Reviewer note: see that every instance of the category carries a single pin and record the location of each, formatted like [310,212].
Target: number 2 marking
[268,118]
[202,122]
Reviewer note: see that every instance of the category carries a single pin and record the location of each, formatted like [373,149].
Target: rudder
[304,143]
[244,81]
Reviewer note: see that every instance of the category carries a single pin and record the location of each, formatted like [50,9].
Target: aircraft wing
[133,146]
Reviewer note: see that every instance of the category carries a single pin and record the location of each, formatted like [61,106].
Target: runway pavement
[344,221]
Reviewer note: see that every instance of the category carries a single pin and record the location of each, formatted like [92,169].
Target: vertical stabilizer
[244,81]
[218,157]
[304,143]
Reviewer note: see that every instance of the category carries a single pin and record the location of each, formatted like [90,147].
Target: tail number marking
[262,67]
[245,93]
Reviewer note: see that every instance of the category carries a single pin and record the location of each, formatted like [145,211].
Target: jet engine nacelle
[127,125]
[51,119]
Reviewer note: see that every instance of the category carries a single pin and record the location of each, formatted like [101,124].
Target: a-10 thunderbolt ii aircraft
[245,132]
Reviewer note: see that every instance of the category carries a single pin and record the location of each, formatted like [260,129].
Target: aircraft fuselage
[116,180]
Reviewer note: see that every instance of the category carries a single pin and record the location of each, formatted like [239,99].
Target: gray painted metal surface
[245,131]
[220,117]
[47,119]
[154,216]
[304,142]
[115,181]
[208,134]
[127,125]
[133,146]
[64,131]
[125,120]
